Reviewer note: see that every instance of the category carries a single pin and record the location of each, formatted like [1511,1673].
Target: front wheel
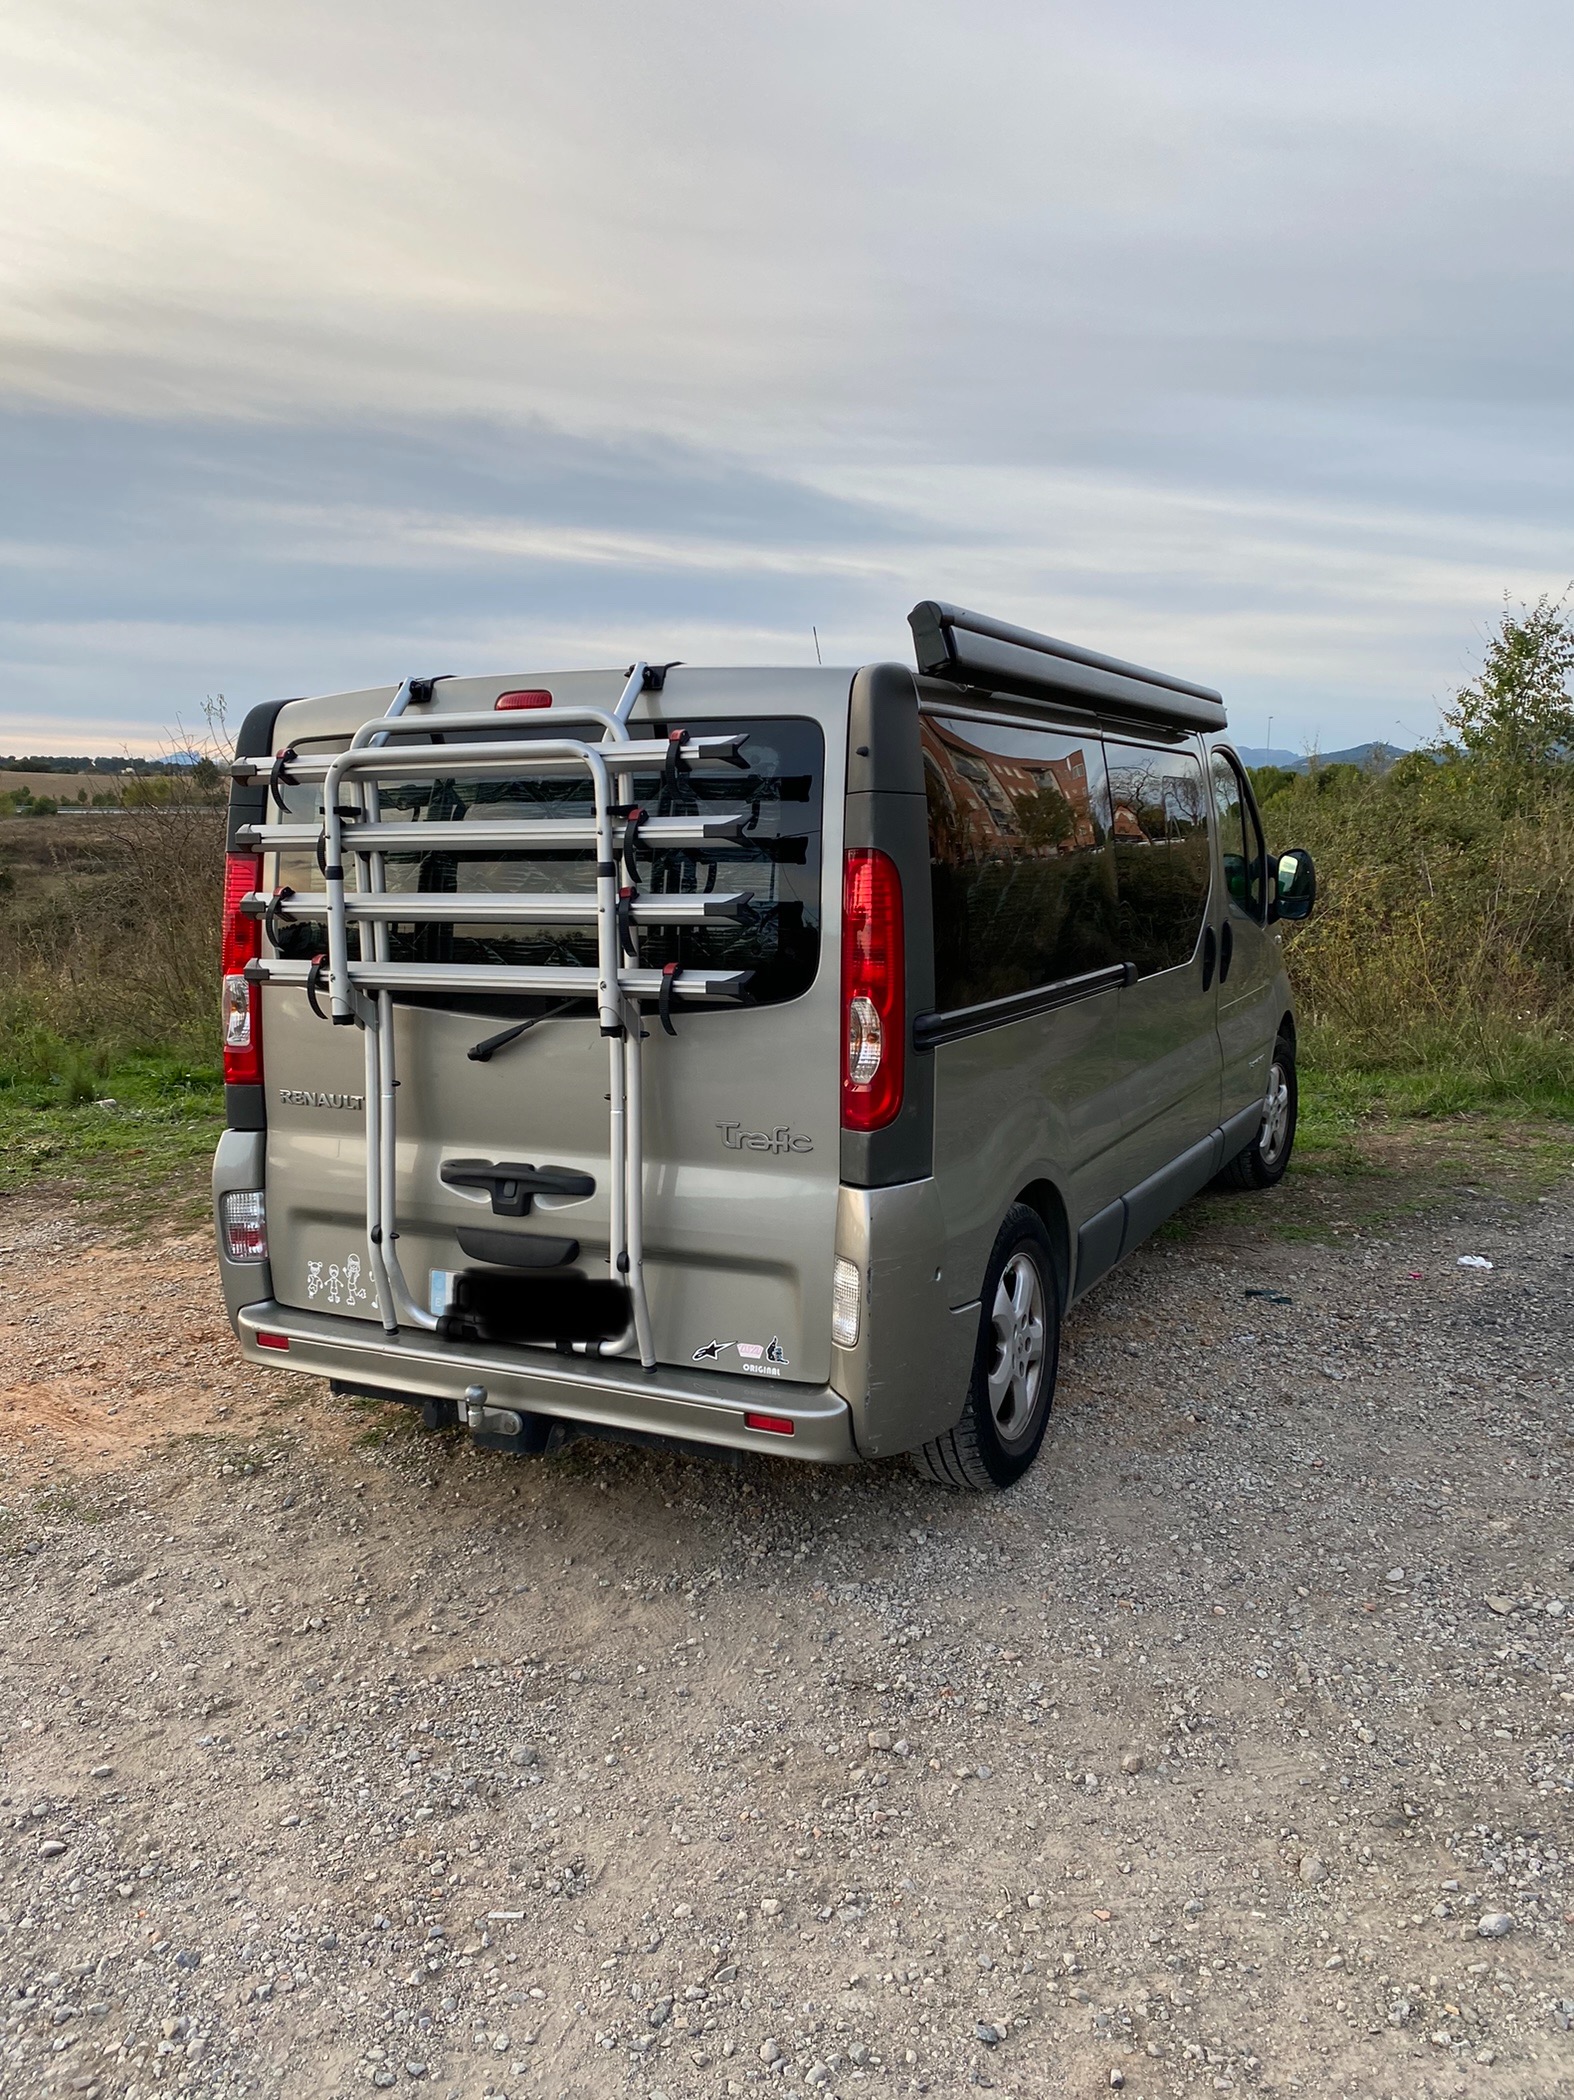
[1265,1159]
[1014,1366]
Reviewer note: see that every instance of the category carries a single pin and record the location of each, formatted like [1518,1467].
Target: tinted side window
[1161,853]
[1020,866]
[1240,841]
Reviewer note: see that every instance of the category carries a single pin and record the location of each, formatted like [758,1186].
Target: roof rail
[968,648]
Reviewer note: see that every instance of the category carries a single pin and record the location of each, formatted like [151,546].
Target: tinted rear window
[778,788]
[1021,873]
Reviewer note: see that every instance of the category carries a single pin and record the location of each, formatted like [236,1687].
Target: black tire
[1013,1383]
[1265,1159]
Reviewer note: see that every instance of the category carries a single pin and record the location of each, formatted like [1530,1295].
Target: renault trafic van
[753,1058]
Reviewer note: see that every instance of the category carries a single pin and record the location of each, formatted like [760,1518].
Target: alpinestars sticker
[760,1359]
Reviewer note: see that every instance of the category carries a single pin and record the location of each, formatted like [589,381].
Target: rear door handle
[513,1184]
[1226,949]
[1210,955]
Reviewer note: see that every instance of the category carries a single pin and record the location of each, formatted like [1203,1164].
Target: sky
[344,342]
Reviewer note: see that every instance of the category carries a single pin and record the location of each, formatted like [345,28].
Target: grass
[1376,1148]
[1391,1167]
[130,1136]
[1507,1125]
[1376,1145]
[1464,1067]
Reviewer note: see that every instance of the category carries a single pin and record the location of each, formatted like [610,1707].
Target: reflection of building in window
[988,795]
[988,803]
[1022,882]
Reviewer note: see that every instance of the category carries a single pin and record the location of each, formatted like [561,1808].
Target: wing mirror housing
[1294,890]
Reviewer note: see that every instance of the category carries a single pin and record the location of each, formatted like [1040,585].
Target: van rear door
[741,1105]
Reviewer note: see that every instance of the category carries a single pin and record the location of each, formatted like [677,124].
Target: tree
[1520,710]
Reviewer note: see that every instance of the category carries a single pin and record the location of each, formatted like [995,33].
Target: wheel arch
[1043,1196]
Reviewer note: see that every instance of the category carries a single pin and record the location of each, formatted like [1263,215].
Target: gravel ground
[1234,1750]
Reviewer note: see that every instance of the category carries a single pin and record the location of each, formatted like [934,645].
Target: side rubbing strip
[932,1029]
[1099,1244]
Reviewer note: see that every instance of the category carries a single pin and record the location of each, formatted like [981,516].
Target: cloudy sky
[340,341]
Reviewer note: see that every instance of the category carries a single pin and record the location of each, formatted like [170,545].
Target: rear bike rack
[361,991]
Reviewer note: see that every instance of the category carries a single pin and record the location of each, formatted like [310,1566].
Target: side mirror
[1295,885]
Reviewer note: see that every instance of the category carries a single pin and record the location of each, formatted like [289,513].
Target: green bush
[1443,942]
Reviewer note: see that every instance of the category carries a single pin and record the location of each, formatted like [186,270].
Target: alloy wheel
[1275,1116]
[1016,1369]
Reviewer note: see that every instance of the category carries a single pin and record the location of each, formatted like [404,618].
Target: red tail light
[242,1008]
[874,991]
[527,697]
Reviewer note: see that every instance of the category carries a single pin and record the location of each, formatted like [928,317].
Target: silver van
[754,1058]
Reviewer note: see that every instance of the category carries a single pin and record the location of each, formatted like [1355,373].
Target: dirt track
[334,1756]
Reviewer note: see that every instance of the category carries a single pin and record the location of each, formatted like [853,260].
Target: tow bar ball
[503,1428]
[489,1421]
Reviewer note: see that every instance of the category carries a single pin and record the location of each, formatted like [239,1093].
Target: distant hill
[1379,756]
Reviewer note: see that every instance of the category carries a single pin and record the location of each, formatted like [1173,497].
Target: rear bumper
[607,1393]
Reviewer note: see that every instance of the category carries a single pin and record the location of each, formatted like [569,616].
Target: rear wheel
[1014,1365]
[1268,1155]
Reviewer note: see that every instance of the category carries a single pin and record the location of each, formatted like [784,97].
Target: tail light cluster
[243,1214]
[845,1303]
[242,1009]
[874,991]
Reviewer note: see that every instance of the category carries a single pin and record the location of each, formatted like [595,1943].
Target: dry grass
[109,934]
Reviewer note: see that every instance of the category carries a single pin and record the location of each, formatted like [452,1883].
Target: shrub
[1444,934]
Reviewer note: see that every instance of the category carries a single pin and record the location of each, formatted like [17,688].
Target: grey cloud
[1244,339]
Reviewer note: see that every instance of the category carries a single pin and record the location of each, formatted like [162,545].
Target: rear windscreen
[776,789]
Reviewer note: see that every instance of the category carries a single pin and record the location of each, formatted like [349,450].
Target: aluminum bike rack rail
[488,835]
[362,990]
[564,980]
[502,907]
